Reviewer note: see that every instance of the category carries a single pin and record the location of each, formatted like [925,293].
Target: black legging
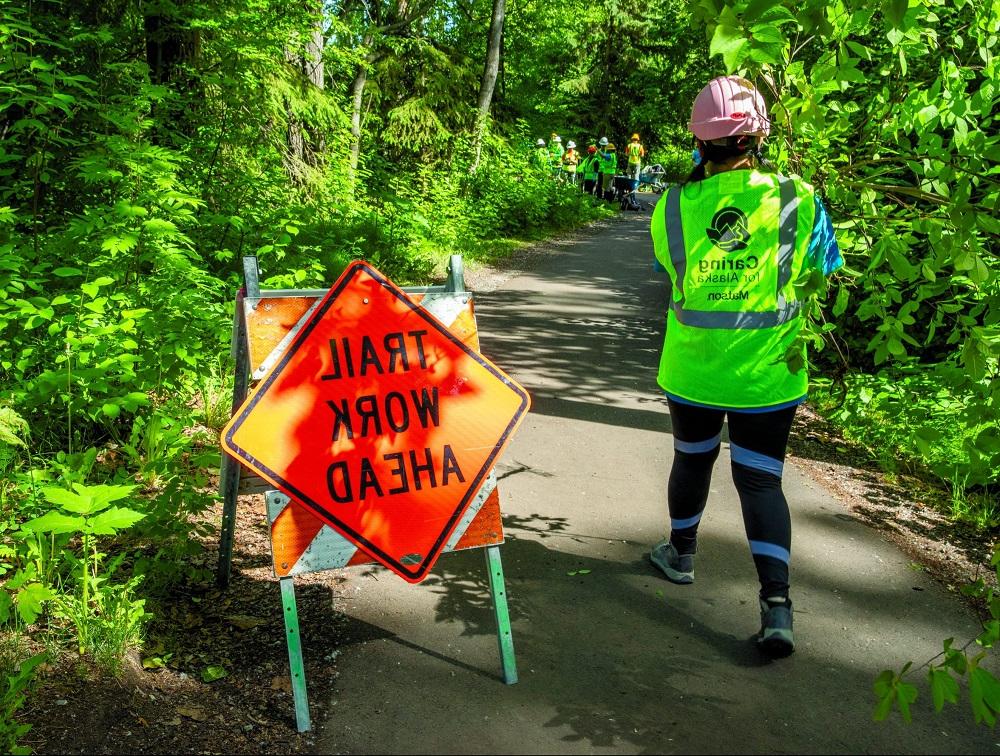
[757,447]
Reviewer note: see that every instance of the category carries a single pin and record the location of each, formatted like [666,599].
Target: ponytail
[698,174]
[721,150]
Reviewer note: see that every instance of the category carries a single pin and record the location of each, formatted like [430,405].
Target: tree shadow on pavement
[593,336]
[910,511]
[612,656]
[583,331]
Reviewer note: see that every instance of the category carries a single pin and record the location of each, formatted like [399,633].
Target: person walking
[570,161]
[736,239]
[556,152]
[635,153]
[607,166]
[541,157]
[589,167]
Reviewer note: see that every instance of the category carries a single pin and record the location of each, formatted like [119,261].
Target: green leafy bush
[913,419]
[955,664]
[11,700]
[891,111]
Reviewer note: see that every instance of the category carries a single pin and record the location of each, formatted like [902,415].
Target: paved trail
[618,660]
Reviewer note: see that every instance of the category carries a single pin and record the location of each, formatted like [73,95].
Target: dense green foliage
[891,111]
[612,67]
[145,147]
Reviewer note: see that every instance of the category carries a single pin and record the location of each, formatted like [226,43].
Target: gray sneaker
[775,637]
[678,569]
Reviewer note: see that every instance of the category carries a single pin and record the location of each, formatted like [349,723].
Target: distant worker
[589,168]
[608,166]
[635,153]
[570,161]
[555,154]
[541,157]
[736,240]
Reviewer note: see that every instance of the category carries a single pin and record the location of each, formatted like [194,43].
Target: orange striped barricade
[271,329]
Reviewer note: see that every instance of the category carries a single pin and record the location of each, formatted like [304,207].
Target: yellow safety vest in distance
[733,245]
[634,149]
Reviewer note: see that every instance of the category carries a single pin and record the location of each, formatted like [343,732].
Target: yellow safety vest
[733,245]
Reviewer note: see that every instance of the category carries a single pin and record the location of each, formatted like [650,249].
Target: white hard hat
[603,142]
[557,138]
[571,144]
[540,142]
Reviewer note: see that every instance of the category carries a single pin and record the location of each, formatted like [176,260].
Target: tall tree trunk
[313,67]
[503,69]
[490,69]
[314,55]
[295,156]
[303,147]
[170,44]
[357,97]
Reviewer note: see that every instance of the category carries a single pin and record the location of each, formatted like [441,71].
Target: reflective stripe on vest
[787,230]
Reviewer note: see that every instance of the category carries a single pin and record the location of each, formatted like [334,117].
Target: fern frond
[13,427]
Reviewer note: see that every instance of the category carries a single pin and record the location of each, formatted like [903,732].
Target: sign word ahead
[380,421]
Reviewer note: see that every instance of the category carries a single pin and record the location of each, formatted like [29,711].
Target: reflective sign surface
[380,421]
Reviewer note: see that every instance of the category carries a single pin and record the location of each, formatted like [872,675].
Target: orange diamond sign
[379,421]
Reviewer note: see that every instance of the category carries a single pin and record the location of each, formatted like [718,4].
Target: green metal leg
[230,478]
[456,275]
[296,667]
[229,475]
[499,593]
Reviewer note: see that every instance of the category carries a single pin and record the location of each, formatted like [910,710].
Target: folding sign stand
[264,326]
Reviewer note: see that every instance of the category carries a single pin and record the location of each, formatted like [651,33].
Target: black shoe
[775,637]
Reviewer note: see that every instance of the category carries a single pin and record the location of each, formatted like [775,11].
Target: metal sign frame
[406,528]
[230,485]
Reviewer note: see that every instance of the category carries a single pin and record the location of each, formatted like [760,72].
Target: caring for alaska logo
[729,230]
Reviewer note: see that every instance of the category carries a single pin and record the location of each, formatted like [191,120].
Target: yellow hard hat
[635,137]
[611,145]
